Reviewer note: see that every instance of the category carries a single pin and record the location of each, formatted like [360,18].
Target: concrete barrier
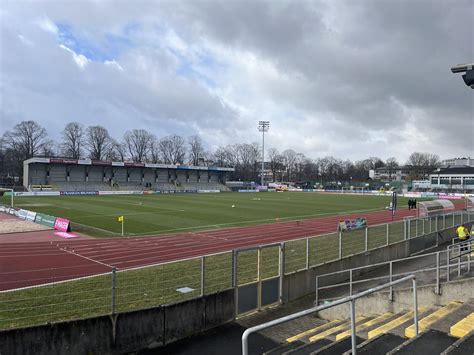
[124,332]
[94,335]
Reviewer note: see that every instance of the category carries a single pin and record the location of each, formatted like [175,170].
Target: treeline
[28,139]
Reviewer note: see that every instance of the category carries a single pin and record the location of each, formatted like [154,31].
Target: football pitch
[172,213]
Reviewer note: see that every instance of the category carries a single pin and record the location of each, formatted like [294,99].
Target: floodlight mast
[263,126]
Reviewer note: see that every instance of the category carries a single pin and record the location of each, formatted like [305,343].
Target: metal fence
[73,292]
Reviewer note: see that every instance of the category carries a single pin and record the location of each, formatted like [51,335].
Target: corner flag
[120,219]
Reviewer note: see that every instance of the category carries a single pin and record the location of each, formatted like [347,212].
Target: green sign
[45,220]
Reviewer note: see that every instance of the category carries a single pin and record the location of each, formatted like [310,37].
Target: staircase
[448,329]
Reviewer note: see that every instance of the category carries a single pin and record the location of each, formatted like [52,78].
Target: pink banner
[61,224]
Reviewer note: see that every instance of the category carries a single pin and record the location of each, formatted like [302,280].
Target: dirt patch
[16,226]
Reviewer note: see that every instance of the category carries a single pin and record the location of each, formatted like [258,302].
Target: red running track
[29,264]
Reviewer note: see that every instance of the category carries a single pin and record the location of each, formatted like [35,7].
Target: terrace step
[463,346]
[337,347]
[427,321]
[380,344]
[365,325]
[430,342]
[397,322]
[463,327]
[282,349]
[308,348]
[332,332]
[310,332]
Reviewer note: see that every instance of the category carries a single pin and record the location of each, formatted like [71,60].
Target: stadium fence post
[388,233]
[114,270]
[444,221]
[437,274]
[203,264]
[282,269]
[350,282]
[405,229]
[316,301]
[340,244]
[447,264]
[366,238]
[390,297]
[307,253]
[353,327]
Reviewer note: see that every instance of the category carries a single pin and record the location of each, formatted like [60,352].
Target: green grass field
[157,214]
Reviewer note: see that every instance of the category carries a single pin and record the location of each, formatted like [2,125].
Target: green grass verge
[157,214]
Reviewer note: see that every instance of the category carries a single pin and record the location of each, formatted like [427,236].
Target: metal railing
[453,252]
[350,299]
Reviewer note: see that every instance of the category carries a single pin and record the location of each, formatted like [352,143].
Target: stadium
[96,245]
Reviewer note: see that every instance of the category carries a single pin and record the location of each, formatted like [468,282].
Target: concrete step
[397,325]
[430,342]
[446,322]
[313,331]
[373,322]
[308,348]
[282,349]
[463,346]
[463,327]
[332,332]
[378,345]
[337,347]
[430,319]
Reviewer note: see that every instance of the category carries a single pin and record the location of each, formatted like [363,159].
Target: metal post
[307,253]
[391,279]
[415,306]
[459,261]
[202,274]
[469,258]
[350,282]
[259,277]
[416,227]
[388,233]
[366,238]
[447,264]
[437,274]
[405,229]
[444,221]
[340,244]
[454,222]
[114,270]
[353,327]
[316,292]
[282,268]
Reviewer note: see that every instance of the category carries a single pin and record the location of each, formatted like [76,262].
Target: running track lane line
[85,257]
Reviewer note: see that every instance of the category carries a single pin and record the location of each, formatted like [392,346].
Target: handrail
[436,266]
[350,299]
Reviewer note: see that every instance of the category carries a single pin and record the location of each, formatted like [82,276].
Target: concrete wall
[302,283]
[125,332]
[378,303]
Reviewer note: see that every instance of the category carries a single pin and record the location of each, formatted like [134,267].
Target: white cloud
[47,25]
[79,59]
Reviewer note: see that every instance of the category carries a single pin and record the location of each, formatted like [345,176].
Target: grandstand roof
[450,170]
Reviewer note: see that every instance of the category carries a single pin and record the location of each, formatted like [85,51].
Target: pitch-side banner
[351,224]
[62,225]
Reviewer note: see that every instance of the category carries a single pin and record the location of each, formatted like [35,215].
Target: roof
[450,170]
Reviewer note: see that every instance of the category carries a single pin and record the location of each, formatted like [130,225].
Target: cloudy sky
[350,79]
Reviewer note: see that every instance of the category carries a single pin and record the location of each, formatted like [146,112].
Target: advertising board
[62,225]
[45,220]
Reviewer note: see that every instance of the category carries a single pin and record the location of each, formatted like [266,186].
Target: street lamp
[263,126]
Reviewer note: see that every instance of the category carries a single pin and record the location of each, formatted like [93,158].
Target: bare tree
[27,139]
[391,165]
[422,164]
[289,157]
[172,149]
[138,143]
[98,142]
[73,140]
[276,162]
[196,150]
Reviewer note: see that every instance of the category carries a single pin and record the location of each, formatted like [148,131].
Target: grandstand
[94,175]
